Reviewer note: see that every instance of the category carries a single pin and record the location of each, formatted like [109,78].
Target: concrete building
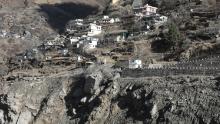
[149,10]
[135,64]
[87,43]
[94,30]
[3,33]
[160,19]
[143,10]
[75,27]
[93,42]
[74,40]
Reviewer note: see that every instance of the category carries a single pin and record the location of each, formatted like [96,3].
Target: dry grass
[142,49]
[10,48]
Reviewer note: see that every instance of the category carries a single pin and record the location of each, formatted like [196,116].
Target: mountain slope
[23,3]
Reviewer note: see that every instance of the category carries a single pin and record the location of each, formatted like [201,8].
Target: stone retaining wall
[169,72]
[207,66]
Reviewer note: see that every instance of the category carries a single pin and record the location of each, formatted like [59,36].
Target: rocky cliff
[100,95]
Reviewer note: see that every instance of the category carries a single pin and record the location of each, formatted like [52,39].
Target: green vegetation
[174,37]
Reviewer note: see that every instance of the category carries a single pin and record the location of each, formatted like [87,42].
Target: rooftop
[137,3]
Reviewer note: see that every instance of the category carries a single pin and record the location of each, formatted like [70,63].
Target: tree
[174,37]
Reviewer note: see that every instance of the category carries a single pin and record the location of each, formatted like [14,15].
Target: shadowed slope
[58,15]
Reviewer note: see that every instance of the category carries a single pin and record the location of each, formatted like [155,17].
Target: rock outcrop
[100,95]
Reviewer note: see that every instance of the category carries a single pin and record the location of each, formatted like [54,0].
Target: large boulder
[93,82]
[97,77]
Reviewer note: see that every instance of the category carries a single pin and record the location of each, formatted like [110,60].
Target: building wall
[148,10]
[95,30]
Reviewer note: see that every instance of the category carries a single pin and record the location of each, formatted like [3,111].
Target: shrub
[174,37]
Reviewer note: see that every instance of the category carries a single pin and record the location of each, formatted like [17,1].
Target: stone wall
[136,73]
[207,66]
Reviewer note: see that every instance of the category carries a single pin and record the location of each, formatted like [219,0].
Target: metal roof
[137,3]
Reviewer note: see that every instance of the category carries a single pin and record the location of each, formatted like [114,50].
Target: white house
[79,22]
[49,43]
[94,29]
[74,40]
[135,64]
[93,42]
[117,20]
[79,58]
[107,19]
[88,43]
[160,20]
[164,18]
[112,21]
[3,33]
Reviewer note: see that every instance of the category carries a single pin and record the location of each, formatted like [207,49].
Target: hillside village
[128,41]
[103,40]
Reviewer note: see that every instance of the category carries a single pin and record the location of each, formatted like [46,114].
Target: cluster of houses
[89,34]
